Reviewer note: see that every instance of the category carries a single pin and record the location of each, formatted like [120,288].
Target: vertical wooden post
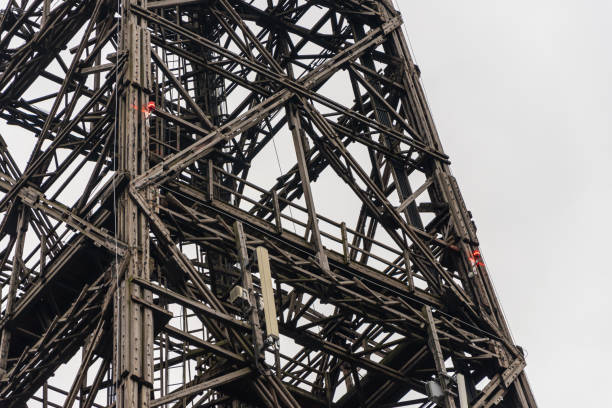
[211,181]
[408,267]
[45,395]
[296,130]
[277,212]
[43,254]
[13,283]
[463,399]
[84,367]
[45,13]
[345,251]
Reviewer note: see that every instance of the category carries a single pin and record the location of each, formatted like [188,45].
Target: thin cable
[499,303]
[411,50]
[281,173]
[495,292]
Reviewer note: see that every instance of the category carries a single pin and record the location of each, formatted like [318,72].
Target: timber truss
[140,191]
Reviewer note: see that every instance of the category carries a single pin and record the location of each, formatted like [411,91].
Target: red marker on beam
[476,258]
[149,108]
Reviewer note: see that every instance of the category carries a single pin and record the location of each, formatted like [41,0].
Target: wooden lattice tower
[152,256]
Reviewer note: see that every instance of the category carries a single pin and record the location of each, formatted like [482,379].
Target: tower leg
[133,322]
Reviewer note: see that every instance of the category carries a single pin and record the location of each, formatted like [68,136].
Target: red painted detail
[476,259]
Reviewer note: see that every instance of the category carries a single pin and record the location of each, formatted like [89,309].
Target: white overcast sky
[520,92]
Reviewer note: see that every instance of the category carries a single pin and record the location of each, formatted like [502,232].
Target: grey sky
[520,92]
